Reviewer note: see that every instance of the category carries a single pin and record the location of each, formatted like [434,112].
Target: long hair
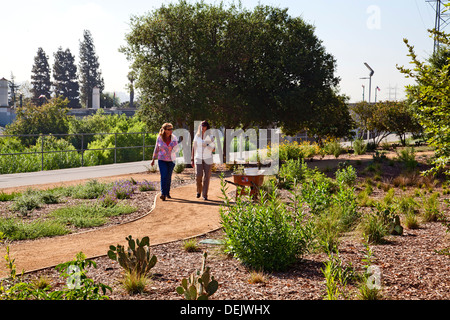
[164,127]
[199,130]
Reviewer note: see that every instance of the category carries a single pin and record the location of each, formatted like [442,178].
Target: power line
[420,14]
[442,19]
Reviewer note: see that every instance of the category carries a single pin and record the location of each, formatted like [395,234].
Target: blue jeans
[165,169]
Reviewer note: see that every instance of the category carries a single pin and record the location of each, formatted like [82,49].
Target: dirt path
[181,217]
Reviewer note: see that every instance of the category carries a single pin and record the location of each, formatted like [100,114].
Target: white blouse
[203,148]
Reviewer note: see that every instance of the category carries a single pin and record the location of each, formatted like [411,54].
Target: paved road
[55,176]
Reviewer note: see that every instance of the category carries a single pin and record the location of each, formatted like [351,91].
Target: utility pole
[442,19]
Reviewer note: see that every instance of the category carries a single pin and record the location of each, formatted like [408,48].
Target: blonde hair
[164,127]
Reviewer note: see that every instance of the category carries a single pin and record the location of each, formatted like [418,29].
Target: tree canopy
[233,66]
[89,68]
[40,77]
[65,77]
[430,98]
[50,117]
[385,118]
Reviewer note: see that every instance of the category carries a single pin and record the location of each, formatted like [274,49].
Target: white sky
[353,31]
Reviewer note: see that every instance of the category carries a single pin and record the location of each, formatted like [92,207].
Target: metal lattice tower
[442,19]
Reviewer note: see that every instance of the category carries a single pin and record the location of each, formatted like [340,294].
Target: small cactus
[200,285]
[136,258]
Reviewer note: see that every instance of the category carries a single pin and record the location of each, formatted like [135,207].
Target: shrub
[26,203]
[411,221]
[346,176]
[33,199]
[179,168]
[91,190]
[334,148]
[8,196]
[407,205]
[78,285]
[431,208]
[86,216]
[408,157]
[345,202]
[327,230]
[146,186]
[373,227]
[290,150]
[359,147]
[336,276]
[108,200]
[369,289]
[122,189]
[264,235]
[134,283]
[317,190]
[389,197]
[190,245]
[290,173]
[15,229]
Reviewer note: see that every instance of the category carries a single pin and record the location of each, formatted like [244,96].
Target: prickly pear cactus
[395,228]
[136,258]
[200,285]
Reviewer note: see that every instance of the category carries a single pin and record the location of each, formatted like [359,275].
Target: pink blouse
[166,152]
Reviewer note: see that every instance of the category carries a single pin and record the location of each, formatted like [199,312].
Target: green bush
[359,147]
[328,230]
[54,157]
[432,208]
[345,202]
[346,176]
[317,190]
[264,235]
[374,228]
[294,150]
[16,229]
[63,152]
[334,148]
[408,157]
[291,173]
[78,285]
[88,215]
[90,190]
[8,196]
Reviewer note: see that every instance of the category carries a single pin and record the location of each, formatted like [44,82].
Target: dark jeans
[165,169]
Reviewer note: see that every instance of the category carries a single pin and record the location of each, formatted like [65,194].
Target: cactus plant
[136,258]
[200,285]
[391,220]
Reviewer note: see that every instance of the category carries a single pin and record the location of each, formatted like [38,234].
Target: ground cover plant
[86,205]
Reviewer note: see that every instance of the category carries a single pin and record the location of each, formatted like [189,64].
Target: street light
[370,89]
[370,78]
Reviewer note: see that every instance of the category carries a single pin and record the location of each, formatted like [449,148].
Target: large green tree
[65,77]
[40,78]
[430,98]
[89,68]
[233,66]
[394,117]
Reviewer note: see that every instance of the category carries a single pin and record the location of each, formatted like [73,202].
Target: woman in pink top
[165,151]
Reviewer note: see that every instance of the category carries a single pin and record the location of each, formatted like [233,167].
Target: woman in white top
[202,158]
